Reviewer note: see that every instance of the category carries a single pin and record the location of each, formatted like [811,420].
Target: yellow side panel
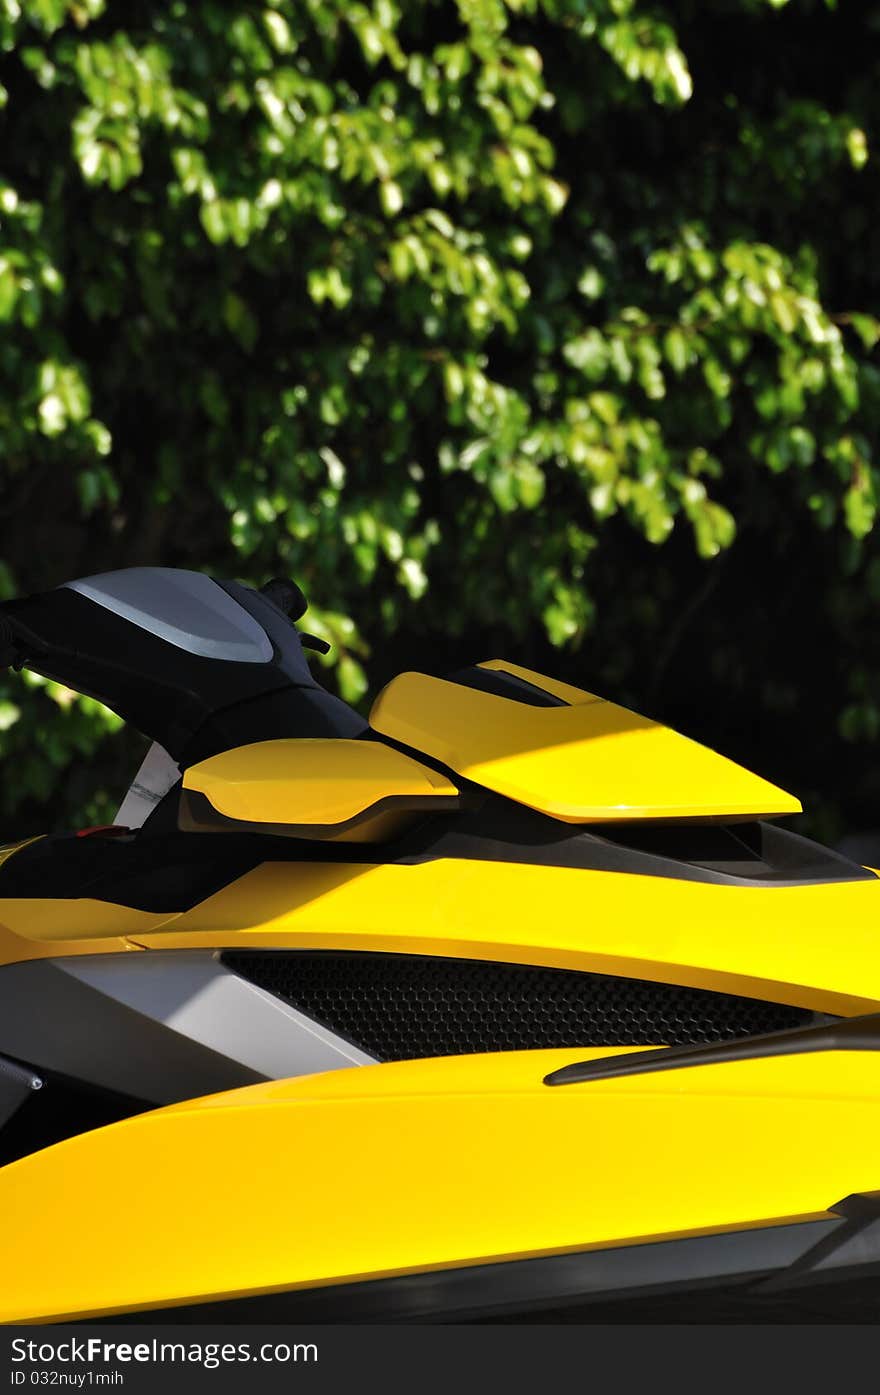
[14,950]
[814,946]
[589,762]
[311,781]
[395,1169]
[35,927]
[31,927]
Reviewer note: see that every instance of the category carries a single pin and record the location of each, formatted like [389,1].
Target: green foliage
[420,302]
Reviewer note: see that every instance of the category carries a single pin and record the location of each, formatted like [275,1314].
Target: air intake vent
[401,1006]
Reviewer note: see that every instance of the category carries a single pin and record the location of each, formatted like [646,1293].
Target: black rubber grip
[286,596]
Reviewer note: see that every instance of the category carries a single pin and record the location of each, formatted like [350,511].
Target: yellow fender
[424,1166]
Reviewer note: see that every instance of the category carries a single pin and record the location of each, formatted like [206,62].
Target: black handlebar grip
[286,596]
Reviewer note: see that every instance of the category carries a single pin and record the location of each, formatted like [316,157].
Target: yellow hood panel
[588,762]
[385,1170]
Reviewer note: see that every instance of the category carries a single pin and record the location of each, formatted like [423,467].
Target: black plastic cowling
[233,674]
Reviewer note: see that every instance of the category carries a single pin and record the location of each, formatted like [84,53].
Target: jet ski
[504,1003]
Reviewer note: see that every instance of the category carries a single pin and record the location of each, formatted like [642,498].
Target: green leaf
[867,327]
[857,147]
[675,347]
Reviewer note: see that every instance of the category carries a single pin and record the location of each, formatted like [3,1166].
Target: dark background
[541,331]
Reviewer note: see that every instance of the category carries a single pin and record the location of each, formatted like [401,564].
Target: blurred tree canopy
[537,327]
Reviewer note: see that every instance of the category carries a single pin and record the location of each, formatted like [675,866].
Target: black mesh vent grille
[400,1006]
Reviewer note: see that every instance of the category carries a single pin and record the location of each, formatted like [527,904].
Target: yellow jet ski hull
[412,994]
[337,1183]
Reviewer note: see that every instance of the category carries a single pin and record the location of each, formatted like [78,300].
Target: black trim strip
[848,1034]
[860,1212]
[485,1291]
[162,868]
[501,683]
[498,830]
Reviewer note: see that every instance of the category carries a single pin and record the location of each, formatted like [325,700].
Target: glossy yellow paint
[421,1166]
[31,927]
[588,762]
[815,946]
[38,927]
[312,781]
[15,950]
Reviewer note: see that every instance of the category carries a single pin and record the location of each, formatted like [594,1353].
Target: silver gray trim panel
[162,1026]
[194,994]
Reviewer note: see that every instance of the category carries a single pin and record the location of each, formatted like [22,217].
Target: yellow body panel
[591,761]
[311,781]
[403,1168]
[37,927]
[15,950]
[813,946]
[37,920]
